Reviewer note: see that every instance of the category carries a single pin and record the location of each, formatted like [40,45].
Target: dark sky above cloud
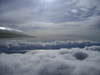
[53,17]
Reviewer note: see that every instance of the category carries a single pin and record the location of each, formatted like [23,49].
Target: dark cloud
[11,33]
[80,55]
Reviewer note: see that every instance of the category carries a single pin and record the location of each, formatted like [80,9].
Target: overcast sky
[71,19]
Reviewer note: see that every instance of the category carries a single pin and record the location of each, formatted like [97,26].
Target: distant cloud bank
[18,46]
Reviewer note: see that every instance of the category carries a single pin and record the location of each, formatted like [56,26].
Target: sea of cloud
[73,61]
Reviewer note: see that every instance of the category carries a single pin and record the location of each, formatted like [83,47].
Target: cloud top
[72,62]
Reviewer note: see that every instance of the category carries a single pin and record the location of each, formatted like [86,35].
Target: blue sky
[74,19]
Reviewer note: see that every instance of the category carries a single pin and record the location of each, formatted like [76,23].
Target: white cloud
[84,9]
[60,62]
[74,11]
[94,48]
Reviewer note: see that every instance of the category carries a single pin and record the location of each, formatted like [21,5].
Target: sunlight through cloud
[48,1]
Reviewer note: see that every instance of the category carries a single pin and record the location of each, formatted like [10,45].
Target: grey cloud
[11,33]
[64,61]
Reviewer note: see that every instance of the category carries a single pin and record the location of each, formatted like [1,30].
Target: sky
[55,19]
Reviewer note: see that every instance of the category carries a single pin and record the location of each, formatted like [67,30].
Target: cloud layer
[18,46]
[59,62]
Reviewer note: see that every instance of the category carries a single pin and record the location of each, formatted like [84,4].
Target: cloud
[23,46]
[80,55]
[63,62]
[94,48]
[11,33]
[54,12]
[89,3]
